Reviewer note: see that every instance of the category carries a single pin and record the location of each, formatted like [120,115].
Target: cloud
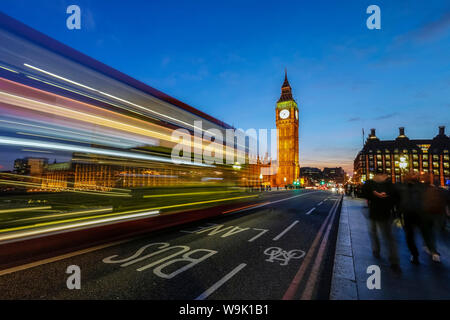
[87,19]
[428,31]
[387,116]
[165,61]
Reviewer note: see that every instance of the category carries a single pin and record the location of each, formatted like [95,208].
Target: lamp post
[403,164]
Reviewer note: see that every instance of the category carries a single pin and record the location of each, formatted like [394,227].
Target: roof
[286,90]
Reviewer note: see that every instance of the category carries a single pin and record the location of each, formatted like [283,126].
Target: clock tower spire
[287,142]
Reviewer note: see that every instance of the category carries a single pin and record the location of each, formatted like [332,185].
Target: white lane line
[320,203]
[309,212]
[300,195]
[259,234]
[219,283]
[285,230]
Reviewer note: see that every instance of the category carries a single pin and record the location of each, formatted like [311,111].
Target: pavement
[353,256]
[282,248]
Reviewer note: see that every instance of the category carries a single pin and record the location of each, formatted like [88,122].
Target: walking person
[420,205]
[381,197]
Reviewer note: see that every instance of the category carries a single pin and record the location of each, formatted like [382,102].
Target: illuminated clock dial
[284,114]
[296,114]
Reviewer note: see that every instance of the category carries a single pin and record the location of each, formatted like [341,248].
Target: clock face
[284,114]
[296,114]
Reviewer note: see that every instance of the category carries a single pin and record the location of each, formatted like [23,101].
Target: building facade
[403,155]
[286,113]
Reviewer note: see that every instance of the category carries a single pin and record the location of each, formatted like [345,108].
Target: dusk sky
[227,58]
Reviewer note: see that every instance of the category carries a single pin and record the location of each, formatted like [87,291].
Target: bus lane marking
[184,251]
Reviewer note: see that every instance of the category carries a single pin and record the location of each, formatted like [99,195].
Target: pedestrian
[381,197]
[420,206]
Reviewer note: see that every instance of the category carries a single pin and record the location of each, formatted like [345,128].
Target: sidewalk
[354,254]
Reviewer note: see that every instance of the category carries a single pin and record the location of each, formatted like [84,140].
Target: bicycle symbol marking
[283,256]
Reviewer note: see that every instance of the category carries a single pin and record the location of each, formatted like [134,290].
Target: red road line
[310,285]
[245,207]
[290,292]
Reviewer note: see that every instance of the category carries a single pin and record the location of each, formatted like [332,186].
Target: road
[281,249]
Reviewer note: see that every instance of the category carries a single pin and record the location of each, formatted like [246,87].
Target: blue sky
[227,58]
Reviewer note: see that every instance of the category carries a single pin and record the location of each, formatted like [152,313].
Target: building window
[415,164]
[388,163]
[436,164]
[388,157]
[435,157]
[425,157]
[446,157]
[415,156]
[379,163]
[436,172]
[378,156]
[425,164]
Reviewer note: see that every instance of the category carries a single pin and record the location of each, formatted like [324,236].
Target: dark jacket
[379,208]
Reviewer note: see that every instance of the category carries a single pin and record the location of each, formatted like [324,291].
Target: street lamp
[403,164]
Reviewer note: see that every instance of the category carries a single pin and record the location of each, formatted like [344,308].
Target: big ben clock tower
[287,142]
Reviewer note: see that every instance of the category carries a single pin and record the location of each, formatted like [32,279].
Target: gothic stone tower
[287,142]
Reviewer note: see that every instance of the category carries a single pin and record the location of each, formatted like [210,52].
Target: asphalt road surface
[281,249]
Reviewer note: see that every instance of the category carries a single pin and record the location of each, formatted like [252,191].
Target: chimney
[372,132]
[401,131]
[442,130]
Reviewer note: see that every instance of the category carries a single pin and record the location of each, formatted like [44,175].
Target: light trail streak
[29,233]
[81,116]
[39,186]
[50,130]
[11,70]
[97,120]
[109,95]
[31,150]
[188,194]
[54,181]
[102,210]
[123,215]
[24,209]
[72,148]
